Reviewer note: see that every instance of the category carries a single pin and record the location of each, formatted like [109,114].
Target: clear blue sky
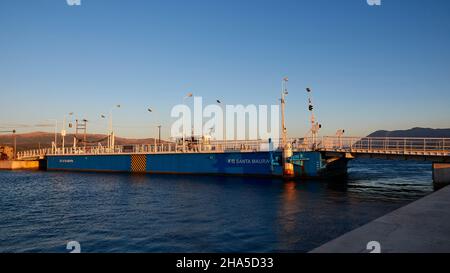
[371,68]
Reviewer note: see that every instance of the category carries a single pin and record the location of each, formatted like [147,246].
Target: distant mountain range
[414,132]
[37,140]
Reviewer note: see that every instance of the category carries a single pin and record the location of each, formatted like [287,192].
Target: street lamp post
[107,128]
[55,131]
[223,121]
[111,132]
[188,95]
[159,134]
[15,144]
[158,126]
[63,131]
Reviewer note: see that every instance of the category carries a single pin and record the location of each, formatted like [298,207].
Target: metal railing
[36,153]
[386,145]
[168,147]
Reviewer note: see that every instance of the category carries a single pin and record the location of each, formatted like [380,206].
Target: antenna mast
[283,122]
[315,126]
[286,148]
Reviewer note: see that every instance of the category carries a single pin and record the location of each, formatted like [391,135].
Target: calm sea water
[42,211]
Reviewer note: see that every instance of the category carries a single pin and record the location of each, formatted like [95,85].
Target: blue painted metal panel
[257,163]
[307,164]
[114,163]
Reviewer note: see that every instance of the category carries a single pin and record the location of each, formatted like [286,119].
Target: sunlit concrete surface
[420,227]
[19,165]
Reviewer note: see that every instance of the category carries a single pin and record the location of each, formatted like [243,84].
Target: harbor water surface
[106,212]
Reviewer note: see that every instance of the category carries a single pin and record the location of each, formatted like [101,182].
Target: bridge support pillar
[441,173]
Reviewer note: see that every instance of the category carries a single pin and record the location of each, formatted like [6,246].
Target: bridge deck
[436,149]
[388,152]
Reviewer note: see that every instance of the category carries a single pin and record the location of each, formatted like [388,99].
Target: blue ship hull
[263,163]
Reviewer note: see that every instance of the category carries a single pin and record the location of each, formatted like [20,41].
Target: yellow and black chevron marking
[138,163]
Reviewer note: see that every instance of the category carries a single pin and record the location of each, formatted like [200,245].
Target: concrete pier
[441,173]
[19,165]
[420,227]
